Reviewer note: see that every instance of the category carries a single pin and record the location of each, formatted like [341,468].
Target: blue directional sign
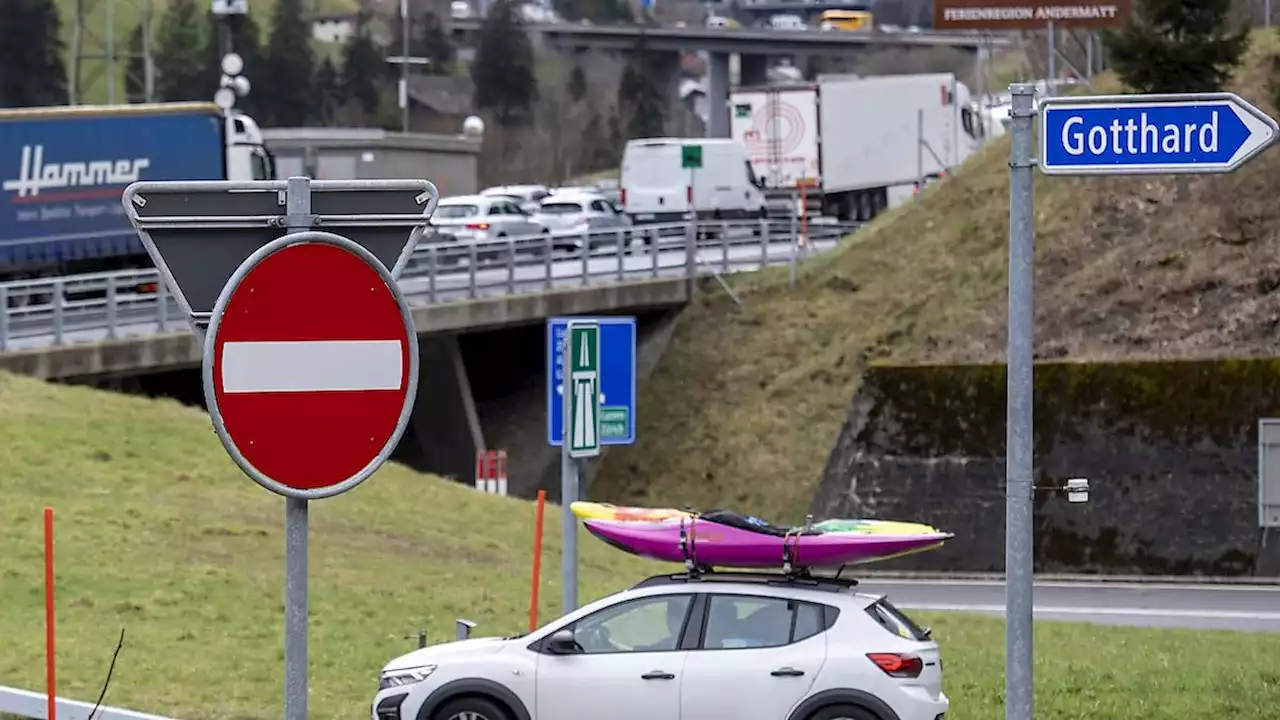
[617,380]
[1151,134]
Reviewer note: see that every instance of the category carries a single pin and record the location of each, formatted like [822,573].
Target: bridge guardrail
[109,305]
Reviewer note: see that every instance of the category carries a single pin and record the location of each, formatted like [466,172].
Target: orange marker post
[48,613]
[537,561]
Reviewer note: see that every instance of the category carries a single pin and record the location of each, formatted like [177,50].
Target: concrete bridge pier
[445,428]
[753,70]
[718,95]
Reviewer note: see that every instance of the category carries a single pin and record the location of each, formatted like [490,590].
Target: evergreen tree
[503,68]
[135,69]
[182,70]
[329,90]
[640,99]
[362,66]
[288,75]
[32,72]
[1177,46]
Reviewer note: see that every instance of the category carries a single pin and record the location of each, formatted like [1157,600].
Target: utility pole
[404,60]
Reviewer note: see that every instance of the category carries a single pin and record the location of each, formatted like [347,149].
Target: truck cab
[247,154]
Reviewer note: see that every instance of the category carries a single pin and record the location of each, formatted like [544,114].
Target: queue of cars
[565,216]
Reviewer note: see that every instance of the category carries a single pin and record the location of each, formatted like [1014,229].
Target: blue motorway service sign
[617,352]
[1151,134]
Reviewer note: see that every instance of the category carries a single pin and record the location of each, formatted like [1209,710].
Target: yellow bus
[845,20]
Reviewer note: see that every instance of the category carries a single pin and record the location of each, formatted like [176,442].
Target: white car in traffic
[715,646]
[572,217]
[480,219]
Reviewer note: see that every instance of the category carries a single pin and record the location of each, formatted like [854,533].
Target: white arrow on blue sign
[1151,134]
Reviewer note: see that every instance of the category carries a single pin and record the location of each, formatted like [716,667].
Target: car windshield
[560,208]
[455,211]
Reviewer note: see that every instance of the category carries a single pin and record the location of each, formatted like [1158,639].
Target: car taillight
[899,665]
[622,197]
[477,226]
[688,194]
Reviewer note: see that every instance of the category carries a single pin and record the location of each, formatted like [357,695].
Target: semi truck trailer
[855,142]
[63,169]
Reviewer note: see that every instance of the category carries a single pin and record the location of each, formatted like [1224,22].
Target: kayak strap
[688,545]
[789,555]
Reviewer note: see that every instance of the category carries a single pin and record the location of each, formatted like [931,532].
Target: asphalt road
[1252,608]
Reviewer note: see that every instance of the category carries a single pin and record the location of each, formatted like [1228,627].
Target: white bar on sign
[491,486]
[311,366]
[502,486]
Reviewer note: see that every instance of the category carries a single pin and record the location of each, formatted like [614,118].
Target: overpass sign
[1151,134]
[613,382]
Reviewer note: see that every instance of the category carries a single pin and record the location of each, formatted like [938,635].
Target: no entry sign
[310,365]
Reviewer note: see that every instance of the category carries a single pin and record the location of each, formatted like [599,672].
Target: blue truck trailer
[62,172]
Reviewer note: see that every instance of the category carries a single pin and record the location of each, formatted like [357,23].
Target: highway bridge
[743,41]
[479,310]
[753,46]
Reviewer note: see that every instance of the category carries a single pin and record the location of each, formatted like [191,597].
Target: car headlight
[404,676]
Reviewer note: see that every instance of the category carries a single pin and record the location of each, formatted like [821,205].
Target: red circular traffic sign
[310,365]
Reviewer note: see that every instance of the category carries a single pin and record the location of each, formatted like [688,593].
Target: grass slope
[124,16]
[158,533]
[746,403]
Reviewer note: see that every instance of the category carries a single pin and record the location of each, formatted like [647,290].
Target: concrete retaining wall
[1170,449]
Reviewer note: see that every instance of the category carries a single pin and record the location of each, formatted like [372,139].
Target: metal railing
[110,305]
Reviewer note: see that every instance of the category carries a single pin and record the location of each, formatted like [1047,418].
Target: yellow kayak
[624,513]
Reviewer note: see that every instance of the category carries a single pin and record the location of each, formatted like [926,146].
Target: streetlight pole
[404,61]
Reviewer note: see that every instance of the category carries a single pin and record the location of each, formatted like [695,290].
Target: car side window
[652,624]
[599,206]
[737,622]
[495,209]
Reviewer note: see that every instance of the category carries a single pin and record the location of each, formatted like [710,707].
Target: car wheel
[844,712]
[471,708]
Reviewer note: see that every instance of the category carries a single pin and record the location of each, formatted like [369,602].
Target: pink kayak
[704,542]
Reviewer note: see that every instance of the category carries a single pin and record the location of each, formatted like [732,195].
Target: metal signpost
[1101,135]
[310,353]
[591,392]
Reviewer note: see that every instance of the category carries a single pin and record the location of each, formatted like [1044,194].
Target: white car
[528,196]
[713,646]
[482,218]
[571,215]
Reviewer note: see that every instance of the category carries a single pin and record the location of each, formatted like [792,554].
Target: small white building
[335,28]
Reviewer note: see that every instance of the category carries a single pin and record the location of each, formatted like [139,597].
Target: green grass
[125,16]
[158,533]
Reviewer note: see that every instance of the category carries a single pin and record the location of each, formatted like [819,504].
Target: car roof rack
[799,577]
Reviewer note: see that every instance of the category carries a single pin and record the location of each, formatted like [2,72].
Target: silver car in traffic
[481,218]
[572,216]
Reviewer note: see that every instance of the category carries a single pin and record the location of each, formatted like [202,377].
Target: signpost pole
[298,210]
[568,490]
[1018,560]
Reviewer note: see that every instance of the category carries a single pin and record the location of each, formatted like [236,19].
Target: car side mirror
[561,642]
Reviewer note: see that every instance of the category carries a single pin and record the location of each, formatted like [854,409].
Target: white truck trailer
[856,142]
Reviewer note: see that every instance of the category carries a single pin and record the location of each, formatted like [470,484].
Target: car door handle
[658,675]
[787,672]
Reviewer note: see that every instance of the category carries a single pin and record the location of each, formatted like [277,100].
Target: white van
[656,188]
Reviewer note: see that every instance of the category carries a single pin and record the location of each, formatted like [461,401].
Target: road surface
[1253,608]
